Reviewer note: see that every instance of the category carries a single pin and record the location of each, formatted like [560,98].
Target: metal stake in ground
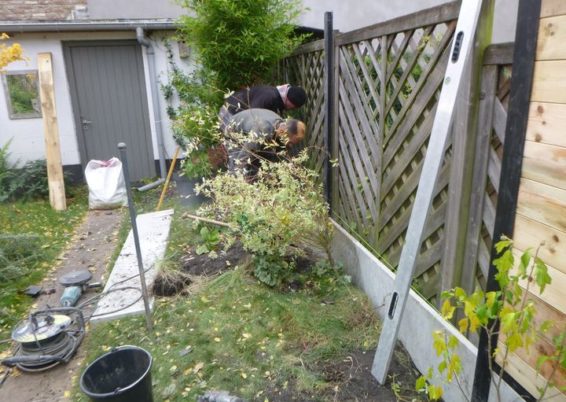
[123,157]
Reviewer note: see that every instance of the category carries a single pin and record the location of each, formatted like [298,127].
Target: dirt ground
[352,381]
[91,248]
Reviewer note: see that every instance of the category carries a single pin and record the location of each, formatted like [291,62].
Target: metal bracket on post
[461,49]
[132,209]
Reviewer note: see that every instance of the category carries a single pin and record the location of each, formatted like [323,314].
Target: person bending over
[257,135]
[277,99]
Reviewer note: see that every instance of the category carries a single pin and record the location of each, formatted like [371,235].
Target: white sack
[106,185]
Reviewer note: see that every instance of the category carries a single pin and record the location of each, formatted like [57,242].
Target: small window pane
[22,94]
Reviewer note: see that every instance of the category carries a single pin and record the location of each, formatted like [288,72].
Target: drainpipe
[142,40]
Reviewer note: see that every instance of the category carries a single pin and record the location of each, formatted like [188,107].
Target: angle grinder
[75,283]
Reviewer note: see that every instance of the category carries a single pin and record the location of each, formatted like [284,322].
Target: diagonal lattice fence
[388,79]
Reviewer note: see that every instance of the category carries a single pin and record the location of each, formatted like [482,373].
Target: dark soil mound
[350,379]
[203,265]
[172,283]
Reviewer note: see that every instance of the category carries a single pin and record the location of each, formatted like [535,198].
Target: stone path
[91,248]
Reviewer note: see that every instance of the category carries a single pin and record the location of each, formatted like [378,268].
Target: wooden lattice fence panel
[495,89]
[389,86]
[306,69]
[388,80]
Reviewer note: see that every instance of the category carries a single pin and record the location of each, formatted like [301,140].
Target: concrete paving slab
[153,230]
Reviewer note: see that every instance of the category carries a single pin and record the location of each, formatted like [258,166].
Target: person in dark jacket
[277,99]
[257,135]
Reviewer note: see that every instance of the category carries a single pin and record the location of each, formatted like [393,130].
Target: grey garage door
[110,102]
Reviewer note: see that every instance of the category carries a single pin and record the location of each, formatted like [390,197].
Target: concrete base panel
[419,320]
[153,230]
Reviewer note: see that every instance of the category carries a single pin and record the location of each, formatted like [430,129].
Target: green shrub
[22,183]
[275,217]
[240,41]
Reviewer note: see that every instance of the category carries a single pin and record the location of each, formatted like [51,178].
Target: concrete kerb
[153,229]
[419,321]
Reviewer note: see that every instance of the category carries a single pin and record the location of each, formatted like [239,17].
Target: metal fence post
[132,209]
[329,103]
[515,132]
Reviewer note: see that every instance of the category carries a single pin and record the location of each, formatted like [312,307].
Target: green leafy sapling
[511,307]
[209,241]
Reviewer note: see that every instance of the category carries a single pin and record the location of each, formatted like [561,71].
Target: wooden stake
[207,220]
[51,133]
[171,169]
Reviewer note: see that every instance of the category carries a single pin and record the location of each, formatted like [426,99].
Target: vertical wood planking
[541,200]
[51,133]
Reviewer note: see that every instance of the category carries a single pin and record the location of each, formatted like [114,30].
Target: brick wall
[36,10]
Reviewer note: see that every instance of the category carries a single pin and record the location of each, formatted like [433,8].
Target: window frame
[11,113]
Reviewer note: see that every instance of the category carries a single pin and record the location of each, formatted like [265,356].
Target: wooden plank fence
[388,78]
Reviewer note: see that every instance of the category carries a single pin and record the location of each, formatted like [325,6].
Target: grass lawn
[233,333]
[53,230]
[237,335]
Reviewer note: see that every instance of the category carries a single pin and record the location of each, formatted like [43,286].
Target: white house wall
[163,68]
[349,14]
[27,134]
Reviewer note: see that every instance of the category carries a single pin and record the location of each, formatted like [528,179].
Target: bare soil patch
[350,379]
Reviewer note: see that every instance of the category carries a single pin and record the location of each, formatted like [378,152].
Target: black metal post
[132,209]
[515,133]
[329,103]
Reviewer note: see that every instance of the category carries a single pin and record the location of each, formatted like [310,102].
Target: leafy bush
[240,41]
[274,217]
[513,308]
[22,183]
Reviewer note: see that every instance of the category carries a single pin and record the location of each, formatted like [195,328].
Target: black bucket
[121,375]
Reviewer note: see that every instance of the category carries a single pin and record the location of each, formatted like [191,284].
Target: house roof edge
[86,25]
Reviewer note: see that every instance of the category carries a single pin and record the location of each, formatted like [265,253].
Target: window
[22,94]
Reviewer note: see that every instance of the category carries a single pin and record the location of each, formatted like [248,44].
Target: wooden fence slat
[546,123]
[551,38]
[499,54]
[545,164]
[494,168]
[552,7]
[486,111]
[51,131]
[529,233]
[543,203]
[435,15]
[488,216]
[499,120]
[549,81]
